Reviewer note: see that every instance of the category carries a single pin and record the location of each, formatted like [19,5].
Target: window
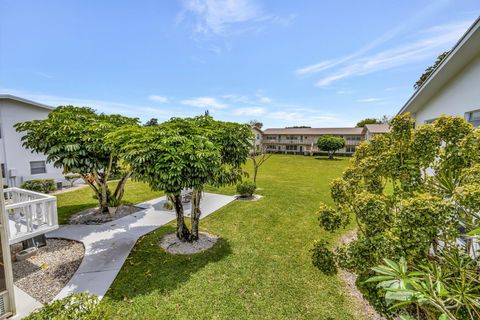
[474,118]
[3,170]
[258,136]
[37,167]
[291,148]
[350,149]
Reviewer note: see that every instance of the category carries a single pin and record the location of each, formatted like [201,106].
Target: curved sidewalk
[108,245]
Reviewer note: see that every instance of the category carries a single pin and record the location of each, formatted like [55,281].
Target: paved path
[107,246]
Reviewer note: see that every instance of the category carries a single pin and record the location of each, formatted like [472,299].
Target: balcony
[30,214]
[285,141]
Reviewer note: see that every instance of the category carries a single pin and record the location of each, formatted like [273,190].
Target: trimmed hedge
[40,185]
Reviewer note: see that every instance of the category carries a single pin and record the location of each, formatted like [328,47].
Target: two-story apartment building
[453,87]
[304,140]
[17,163]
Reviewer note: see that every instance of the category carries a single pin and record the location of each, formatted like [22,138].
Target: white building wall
[458,97]
[13,154]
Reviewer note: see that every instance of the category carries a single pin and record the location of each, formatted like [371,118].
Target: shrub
[323,258]
[40,185]
[246,189]
[73,307]
[71,178]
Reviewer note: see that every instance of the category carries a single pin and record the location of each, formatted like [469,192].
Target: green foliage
[74,139]
[409,190]
[446,286]
[429,70]
[323,258]
[40,185]
[185,153]
[330,144]
[74,307]
[246,189]
[329,219]
[71,178]
[363,122]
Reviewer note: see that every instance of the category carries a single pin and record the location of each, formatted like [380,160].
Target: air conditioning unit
[12,173]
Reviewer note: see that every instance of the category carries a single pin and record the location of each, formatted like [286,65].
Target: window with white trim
[38,167]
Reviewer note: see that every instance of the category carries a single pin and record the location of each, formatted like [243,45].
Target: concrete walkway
[107,246]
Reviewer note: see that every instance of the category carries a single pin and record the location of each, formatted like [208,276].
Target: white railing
[29,213]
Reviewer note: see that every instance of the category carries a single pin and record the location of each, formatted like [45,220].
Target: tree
[73,138]
[185,154]
[410,191]
[330,144]
[256,124]
[151,123]
[363,122]
[258,158]
[429,70]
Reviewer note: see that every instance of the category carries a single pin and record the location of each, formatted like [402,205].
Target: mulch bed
[45,274]
[93,216]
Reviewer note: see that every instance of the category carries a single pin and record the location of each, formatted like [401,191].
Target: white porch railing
[29,213]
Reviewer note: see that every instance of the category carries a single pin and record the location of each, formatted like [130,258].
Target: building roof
[315,131]
[33,103]
[464,51]
[378,128]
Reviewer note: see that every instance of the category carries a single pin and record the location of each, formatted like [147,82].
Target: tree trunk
[182,231]
[196,213]
[120,190]
[100,191]
[330,155]
[255,171]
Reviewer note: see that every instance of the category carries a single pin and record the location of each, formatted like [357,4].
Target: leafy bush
[330,144]
[323,258]
[409,191]
[40,185]
[73,307]
[246,189]
[71,178]
[113,202]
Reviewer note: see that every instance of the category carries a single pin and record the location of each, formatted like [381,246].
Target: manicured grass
[75,201]
[261,267]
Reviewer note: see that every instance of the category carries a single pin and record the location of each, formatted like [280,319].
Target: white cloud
[204,102]
[215,16]
[161,99]
[131,110]
[368,100]
[253,111]
[265,100]
[227,17]
[429,42]
[406,53]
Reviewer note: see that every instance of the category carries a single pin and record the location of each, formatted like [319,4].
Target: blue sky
[317,63]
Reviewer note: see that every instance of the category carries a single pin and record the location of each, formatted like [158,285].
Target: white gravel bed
[45,274]
[172,244]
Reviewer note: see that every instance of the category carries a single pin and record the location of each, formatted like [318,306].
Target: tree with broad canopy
[73,138]
[185,153]
[330,144]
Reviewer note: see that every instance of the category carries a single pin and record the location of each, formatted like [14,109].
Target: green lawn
[261,267]
[72,202]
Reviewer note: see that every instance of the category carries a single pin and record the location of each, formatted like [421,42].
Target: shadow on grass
[149,268]
[328,159]
[65,212]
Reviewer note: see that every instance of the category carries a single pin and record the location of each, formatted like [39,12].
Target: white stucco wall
[458,97]
[12,154]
